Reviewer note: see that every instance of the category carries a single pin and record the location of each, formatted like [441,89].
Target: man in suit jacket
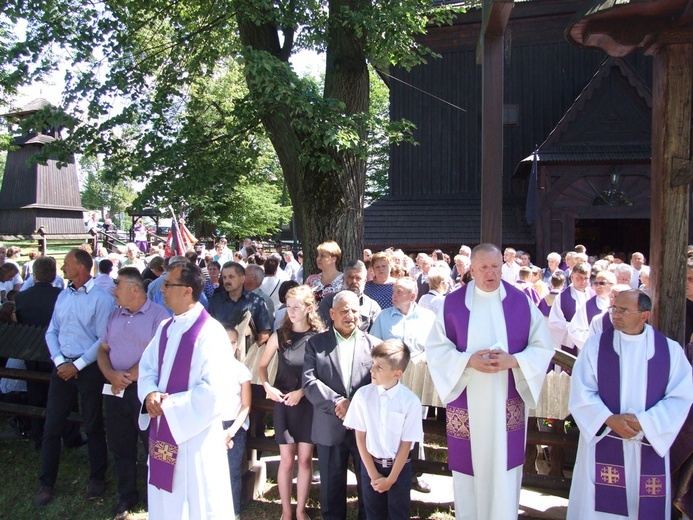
[337,363]
[35,307]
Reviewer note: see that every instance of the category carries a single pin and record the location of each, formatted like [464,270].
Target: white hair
[553,256]
[345,296]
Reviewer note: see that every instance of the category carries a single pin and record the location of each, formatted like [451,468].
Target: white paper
[108,390]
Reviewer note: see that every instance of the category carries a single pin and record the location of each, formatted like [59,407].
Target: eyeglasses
[169,284]
[603,282]
[116,282]
[620,311]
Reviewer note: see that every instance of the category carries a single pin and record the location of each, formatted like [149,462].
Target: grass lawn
[20,465]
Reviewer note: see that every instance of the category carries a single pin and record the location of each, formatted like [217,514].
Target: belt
[387,463]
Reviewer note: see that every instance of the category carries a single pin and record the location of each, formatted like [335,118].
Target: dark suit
[422,286]
[35,307]
[323,387]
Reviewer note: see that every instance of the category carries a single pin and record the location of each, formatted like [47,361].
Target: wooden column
[672,86]
[490,53]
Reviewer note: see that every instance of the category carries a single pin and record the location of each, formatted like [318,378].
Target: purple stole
[544,307]
[517,316]
[592,309]
[163,450]
[568,306]
[610,476]
[607,324]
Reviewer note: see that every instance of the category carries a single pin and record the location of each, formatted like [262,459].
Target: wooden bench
[28,343]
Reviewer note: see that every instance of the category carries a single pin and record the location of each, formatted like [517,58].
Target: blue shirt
[78,322]
[411,329]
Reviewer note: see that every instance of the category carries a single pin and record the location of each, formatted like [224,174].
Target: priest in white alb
[488,354]
[630,393]
[181,383]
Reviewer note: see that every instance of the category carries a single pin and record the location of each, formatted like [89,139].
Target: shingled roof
[445,223]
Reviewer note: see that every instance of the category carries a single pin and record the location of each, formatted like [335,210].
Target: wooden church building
[38,200]
[588,115]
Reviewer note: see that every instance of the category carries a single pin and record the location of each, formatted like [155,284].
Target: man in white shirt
[511,269]
[637,260]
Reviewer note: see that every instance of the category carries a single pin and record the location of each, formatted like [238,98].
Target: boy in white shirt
[235,419]
[386,417]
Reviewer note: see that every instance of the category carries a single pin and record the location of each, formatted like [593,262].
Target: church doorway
[602,236]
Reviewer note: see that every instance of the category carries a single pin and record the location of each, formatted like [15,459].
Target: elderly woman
[380,287]
[132,258]
[462,264]
[329,280]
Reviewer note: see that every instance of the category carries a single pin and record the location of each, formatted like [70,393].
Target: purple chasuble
[163,450]
[517,314]
[610,473]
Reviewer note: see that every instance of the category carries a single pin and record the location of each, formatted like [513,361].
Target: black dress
[292,424]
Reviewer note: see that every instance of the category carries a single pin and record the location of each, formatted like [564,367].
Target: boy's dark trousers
[394,503]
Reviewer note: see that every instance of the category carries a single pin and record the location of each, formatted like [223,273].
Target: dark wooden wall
[543,76]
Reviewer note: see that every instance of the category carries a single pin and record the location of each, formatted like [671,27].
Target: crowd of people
[364,353]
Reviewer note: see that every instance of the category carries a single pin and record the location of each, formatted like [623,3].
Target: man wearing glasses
[129,330]
[182,386]
[630,393]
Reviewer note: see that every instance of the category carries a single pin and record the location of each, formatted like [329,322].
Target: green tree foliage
[100,193]
[155,53]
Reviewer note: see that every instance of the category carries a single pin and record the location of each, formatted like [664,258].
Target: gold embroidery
[610,475]
[457,422]
[514,414]
[653,486]
[163,451]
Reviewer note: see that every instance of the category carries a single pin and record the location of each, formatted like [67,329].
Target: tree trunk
[327,205]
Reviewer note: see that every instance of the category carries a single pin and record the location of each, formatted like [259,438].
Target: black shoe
[96,488]
[77,442]
[43,496]
[123,508]
[420,485]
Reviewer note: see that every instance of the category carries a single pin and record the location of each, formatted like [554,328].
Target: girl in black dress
[293,414]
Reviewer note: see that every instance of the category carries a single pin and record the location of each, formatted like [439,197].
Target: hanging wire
[420,90]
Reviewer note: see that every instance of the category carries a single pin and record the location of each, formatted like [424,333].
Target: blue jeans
[235,456]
